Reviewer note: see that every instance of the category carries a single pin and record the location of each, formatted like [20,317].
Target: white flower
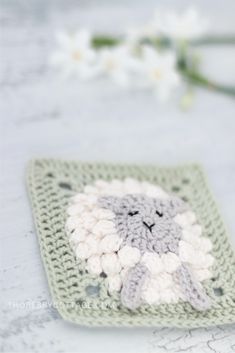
[187,25]
[159,70]
[75,54]
[118,63]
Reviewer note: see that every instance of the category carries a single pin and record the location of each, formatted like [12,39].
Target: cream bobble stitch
[202,274]
[153,262]
[129,256]
[72,223]
[117,187]
[110,243]
[110,264]
[169,296]
[132,186]
[90,190]
[199,243]
[77,237]
[94,265]
[103,228]
[186,219]
[93,244]
[83,251]
[114,283]
[164,280]
[187,252]
[102,214]
[196,230]
[124,272]
[151,296]
[205,244]
[204,261]
[79,198]
[154,191]
[90,201]
[198,259]
[89,222]
[170,262]
[101,184]
[74,210]
[85,201]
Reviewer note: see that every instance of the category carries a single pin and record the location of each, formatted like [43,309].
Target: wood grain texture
[42,116]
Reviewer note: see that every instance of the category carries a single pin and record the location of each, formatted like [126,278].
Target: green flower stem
[199,80]
[214,40]
[100,41]
[105,41]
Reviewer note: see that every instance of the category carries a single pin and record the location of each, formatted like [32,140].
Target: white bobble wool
[170,262]
[94,265]
[153,262]
[89,222]
[110,243]
[110,264]
[114,283]
[102,214]
[129,256]
[93,244]
[103,228]
[186,219]
[154,191]
[83,251]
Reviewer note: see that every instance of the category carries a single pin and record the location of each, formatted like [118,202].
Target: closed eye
[133,213]
[159,213]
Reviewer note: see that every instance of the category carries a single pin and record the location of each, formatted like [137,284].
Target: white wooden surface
[44,117]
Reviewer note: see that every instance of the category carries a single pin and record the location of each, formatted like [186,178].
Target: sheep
[146,241]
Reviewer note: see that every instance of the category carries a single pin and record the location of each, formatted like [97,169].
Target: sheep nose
[149,226]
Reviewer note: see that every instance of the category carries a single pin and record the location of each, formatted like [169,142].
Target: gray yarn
[132,286]
[148,224]
[192,290]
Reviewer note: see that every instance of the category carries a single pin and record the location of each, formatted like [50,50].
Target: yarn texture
[140,242]
[129,245]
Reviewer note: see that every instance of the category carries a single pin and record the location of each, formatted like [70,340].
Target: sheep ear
[175,205]
[112,203]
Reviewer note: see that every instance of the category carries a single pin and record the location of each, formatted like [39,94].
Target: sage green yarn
[83,298]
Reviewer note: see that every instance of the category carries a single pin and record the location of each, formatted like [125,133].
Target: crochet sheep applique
[146,242]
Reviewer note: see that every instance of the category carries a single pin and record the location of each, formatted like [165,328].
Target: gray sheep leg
[132,286]
[192,290]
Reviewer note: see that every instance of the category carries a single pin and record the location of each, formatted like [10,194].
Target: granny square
[130,245]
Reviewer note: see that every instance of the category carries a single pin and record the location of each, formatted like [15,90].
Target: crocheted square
[128,245]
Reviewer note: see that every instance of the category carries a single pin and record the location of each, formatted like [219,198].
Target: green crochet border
[51,183]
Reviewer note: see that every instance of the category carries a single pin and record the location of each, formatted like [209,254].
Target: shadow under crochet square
[89,293]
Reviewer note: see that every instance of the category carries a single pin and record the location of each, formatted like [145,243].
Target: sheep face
[146,223]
